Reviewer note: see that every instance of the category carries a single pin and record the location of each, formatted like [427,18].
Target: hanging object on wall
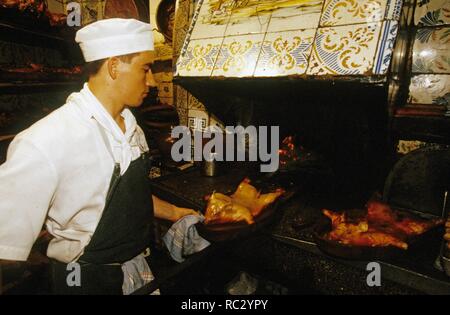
[137,9]
[165,18]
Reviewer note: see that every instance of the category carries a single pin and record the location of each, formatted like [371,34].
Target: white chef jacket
[58,172]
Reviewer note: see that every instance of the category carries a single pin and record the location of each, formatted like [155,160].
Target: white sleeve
[27,184]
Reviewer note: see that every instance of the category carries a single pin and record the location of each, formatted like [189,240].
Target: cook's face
[137,78]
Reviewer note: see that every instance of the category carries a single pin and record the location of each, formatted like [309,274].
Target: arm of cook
[27,183]
[168,211]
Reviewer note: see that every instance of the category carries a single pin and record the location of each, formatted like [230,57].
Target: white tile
[247,25]
[433,12]
[431,50]
[343,12]
[199,57]
[344,50]
[285,53]
[428,88]
[393,9]
[238,56]
[211,19]
[296,18]
[385,47]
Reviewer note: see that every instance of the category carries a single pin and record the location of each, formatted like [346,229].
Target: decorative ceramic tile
[432,12]
[181,97]
[182,116]
[199,57]
[285,53]
[342,12]
[194,103]
[431,50]
[163,52]
[182,14]
[166,100]
[306,15]
[181,25]
[344,50]
[385,47]
[393,9]
[212,19]
[238,56]
[163,76]
[180,36]
[247,25]
[197,120]
[91,11]
[428,89]
[165,89]
[216,122]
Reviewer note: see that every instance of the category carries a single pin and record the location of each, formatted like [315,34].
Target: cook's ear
[113,67]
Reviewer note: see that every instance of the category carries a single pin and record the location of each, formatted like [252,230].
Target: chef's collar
[104,118]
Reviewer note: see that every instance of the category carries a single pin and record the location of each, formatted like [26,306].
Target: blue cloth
[182,239]
[136,274]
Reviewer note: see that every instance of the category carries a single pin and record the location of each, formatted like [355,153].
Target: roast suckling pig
[56,19]
[380,226]
[245,204]
[9,3]
[395,222]
[36,6]
[35,68]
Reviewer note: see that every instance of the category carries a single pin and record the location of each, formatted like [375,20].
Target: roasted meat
[56,19]
[38,68]
[221,209]
[249,197]
[401,223]
[33,5]
[359,233]
[9,3]
[379,226]
[243,205]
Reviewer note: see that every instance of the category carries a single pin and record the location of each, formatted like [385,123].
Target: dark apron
[124,231]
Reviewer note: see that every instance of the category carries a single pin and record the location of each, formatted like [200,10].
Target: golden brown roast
[243,205]
[359,233]
[379,226]
[249,197]
[401,223]
[221,209]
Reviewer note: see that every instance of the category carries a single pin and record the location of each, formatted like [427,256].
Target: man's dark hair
[93,67]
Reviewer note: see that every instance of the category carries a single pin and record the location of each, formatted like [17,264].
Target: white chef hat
[114,37]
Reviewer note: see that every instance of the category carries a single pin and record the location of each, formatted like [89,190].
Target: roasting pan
[366,253]
[237,230]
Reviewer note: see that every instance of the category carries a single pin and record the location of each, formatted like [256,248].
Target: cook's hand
[182,212]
